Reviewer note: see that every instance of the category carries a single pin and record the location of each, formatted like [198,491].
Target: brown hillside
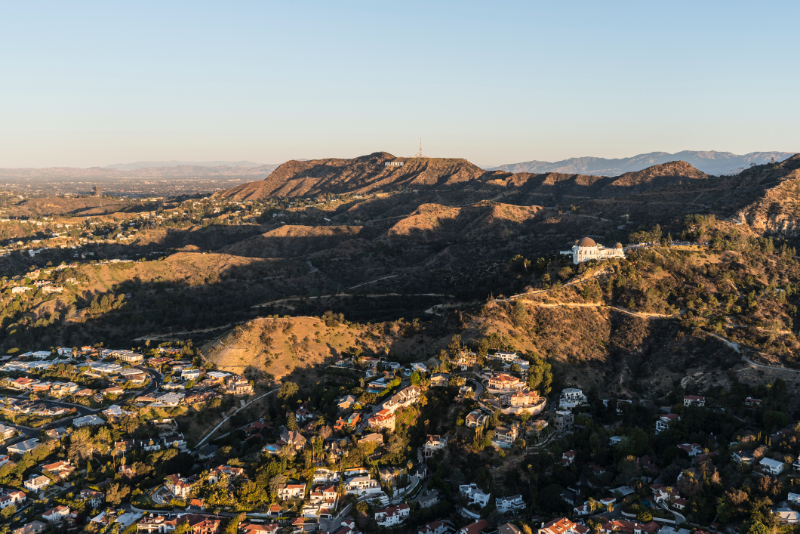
[359,175]
[289,241]
[485,220]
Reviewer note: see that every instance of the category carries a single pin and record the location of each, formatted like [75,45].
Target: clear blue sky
[96,83]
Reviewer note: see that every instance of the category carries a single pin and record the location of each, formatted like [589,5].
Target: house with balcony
[362,485]
[510,505]
[665,420]
[476,419]
[292,491]
[179,487]
[434,443]
[383,419]
[571,398]
[501,382]
[771,467]
[392,515]
[36,483]
[474,494]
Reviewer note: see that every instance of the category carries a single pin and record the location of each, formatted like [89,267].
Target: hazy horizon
[96,85]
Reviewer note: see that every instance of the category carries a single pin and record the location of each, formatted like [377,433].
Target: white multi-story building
[508,505]
[664,421]
[362,485]
[570,398]
[474,494]
[433,444]
[770,466]
[393,515]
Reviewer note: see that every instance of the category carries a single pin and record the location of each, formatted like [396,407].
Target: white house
[794,498]
[743,457]
[587,249]
[692,449]
[37,482]
[474,494]
[770,466]
[508,505]
[570,398]
[694,400]
[54,515]
[89,420]
[433,444]
[665,420]
[362,485]
[393,515]
[15,498]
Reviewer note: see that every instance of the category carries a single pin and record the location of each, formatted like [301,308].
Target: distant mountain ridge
[177,171]
[709,162]
[173,163]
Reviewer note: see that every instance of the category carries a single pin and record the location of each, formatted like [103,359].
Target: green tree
[288,391]
[520,314]
[415,378]
[754,526]
[775,420]
[540,375]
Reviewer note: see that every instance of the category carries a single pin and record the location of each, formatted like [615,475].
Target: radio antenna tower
[420,154]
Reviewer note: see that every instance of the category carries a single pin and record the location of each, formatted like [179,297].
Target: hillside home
[753,403]
[563,420]
[478,527]
[510,505]
[505,436]
[93,498]
[55,515]
[692,449]
[405,397]
[476,419]
[246,527]
[437,527]
[15,498]
[694,400]
[7,432]
[237,385]
[440,380]
[373,438]
[571,398]
[179,487]
[503,382]
[562,525]
[383,419]
[743,457]
[568,457]
[771,467]
[474,494]
[433,444]
[362,485]
[292,491]
[351,421]
[88,420]
[62,469]
[346,403]
[36,482]
[230,472]
[665,420]
[393,515]
[292,439]
[34,527]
